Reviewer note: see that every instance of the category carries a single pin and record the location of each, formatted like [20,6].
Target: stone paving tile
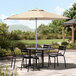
[58,71]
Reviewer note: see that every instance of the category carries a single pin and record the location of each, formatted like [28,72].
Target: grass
[49,41]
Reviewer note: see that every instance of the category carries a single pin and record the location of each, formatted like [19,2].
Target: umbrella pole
[36,32]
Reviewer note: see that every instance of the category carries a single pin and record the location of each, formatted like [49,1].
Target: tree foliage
[4,36]
[54,27]
[3,28]
[71,12]
[43,29]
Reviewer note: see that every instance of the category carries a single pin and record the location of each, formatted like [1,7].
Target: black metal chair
[25,55]
[13,58]
[60,52]
[47,46]
[54,55]
[36,60]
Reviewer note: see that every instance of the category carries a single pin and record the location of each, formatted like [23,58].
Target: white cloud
[2,16]
[70,5]
[59,10]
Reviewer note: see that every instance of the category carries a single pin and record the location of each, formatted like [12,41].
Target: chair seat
[60,54]
[35,57]
[39,54]
[53,55]
[27,56]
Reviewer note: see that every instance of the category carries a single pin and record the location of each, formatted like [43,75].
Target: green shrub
[21,36]
[14,36]
[64,43]
[55,45]
[19,44]
[7,72]
[5,44]
[59,36]
[8,53]
[73,45]
[51,36]
[29,35]
[17,51]
[54,36]
[41,36]
[69,46]
[2,52]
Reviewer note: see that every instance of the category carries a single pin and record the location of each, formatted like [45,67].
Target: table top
[37,48]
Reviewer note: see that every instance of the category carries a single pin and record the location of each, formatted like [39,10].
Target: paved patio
[58,71]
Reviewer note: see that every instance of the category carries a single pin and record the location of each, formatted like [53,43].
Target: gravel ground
[60,70]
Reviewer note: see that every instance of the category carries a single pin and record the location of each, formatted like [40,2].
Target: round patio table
[38,49]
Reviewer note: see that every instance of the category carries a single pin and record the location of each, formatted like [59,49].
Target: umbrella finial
[36,9]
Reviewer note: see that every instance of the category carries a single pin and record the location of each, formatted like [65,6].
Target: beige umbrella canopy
[36,14]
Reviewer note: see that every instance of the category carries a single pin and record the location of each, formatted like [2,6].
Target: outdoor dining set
[34,57]
[38,53]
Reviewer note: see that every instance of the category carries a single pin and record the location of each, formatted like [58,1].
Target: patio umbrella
[36,14]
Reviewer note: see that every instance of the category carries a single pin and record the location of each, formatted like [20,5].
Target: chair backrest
[46,46]
[62,49]
[12,50]
[24,52]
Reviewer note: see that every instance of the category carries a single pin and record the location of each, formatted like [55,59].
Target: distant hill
[19,27]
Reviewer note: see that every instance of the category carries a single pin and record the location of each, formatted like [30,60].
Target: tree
[56,26]
[71,12]
[4,38]
[4,30]
[17,32]
[43,29]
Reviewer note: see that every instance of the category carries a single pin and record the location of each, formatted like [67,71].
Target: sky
[11,7]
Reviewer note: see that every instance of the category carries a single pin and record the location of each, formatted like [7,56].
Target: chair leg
[11,62]
[64,61]
[57,61]
[33,64]
[49,61]
[22,63]
[14,63]
[28,69]
[54,62]
[38,64]
[27,66]
[26,62]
